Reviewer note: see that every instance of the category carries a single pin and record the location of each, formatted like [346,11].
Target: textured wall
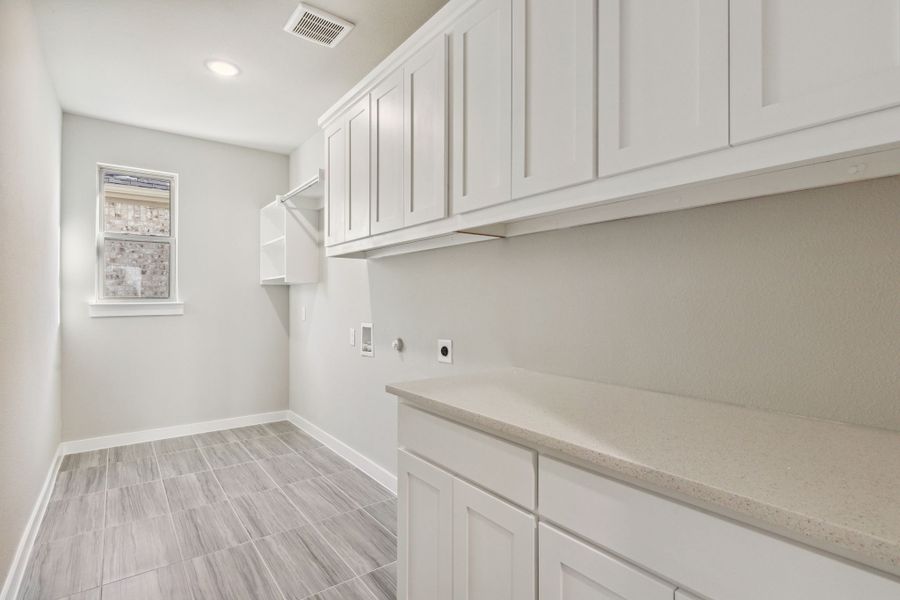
[227,355]
[29,273]
[788,302]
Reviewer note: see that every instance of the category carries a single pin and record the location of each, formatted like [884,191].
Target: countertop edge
[869,551]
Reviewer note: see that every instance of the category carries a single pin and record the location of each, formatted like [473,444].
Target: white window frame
[136,307]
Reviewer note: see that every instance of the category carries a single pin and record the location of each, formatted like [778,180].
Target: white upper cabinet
[662,81]
[335,182]
[387,154]
[481,71]
[504,117]
[425,529]
[571,570]
[356,206]
[425,147]
[553,83]
[805,62]
[493,547]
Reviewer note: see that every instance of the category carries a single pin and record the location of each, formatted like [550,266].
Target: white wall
[227,355]
[787,302]
[307,159]
[29,273]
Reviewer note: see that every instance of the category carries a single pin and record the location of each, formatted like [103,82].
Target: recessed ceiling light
[222,68]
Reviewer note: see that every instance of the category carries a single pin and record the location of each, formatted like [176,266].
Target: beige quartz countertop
[831,485]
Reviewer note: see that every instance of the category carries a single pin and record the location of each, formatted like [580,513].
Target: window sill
[135,309]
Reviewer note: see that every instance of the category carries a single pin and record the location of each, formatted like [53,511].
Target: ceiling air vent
[317,26]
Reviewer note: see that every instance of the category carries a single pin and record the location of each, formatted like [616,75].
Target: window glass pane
[136,204]
[135,269]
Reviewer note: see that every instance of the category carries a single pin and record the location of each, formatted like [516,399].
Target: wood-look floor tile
[166,583]
[281,427]
[266,447]
[354,589]
[135,502]
[268,512]
[137,547]
[360,541]
[288,469]
[385,513]
[63,567]
[318,499]
[132,472]
[233,574]
[302,562]
[79,483]
[131,452]
[177,444]
[214,438]
[226,455]
[299,441]
[84,460]
[181,463]
[325,461]
[360,487]
[383,582]
[193,490]
[243,479]
[65,518]
[93,594]
[250,432]
[207,529]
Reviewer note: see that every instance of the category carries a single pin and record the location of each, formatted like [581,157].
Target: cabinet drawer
[572,570]
[714,556]
[506,469]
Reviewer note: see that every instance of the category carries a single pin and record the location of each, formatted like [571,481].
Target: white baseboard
[148,435]
[23,552]
[361,462]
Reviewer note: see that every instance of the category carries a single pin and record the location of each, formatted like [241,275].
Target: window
[136,243]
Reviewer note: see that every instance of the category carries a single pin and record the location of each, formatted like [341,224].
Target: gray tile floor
[254,513]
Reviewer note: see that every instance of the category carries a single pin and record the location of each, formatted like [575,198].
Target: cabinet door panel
[572,570]
[662,81]
[387,154]
[553,94]
[493,547]
[805,62]
[335,183]
[356,206]
[425,186]
[481,106]
[425,532]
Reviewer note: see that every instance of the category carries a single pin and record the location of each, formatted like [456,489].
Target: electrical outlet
[445,351]
[352,337]
[302,312]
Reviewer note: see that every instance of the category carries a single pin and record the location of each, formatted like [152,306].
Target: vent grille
[310,23]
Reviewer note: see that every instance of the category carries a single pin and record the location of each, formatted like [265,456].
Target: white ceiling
[140,62]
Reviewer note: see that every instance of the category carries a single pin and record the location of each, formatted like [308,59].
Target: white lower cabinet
[572,570]
[425,495]
[493,547]
[457,541]
[598,539]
